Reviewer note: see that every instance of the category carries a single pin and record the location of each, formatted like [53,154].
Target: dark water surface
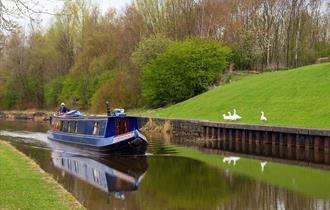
[169,177]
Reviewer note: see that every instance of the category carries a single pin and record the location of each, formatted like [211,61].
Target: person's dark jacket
[63,109]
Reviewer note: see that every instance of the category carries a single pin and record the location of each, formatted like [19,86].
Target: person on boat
[63,109]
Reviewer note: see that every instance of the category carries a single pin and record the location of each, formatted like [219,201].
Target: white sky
[52,6]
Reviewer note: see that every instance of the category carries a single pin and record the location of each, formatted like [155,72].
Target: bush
[184,70]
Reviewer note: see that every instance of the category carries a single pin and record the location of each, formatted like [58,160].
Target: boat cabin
[97,126]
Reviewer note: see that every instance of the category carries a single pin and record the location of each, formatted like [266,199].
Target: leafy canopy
[184,70]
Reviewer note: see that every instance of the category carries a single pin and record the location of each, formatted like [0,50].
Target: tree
[148,49]
[11,10]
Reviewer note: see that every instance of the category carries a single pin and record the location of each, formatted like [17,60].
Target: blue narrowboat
[117,134]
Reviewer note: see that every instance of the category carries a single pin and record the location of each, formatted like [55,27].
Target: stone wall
[311,145]
[24,115]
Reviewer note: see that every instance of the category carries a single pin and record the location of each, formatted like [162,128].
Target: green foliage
[323,50]
[184,70]
[74,91]
[298,97]
[122,91]
[53,90]
[9,100]
[245,52]
[78,90]
[84,44]
[148,49]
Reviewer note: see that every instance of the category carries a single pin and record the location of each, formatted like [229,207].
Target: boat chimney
[107,104]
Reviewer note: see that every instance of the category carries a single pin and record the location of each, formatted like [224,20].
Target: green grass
[24,187]
[299,97]
[308,181]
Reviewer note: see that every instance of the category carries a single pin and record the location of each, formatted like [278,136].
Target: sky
[50,6]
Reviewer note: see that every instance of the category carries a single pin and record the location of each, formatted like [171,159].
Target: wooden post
[273,144]
[316,144]
[215,139]
[307,148]
[237,140]
[243,141]
[257,142]
[205,144]
[220,138]
[231,139]
[225,139]
[265,143]
[250,142]
[281,146]
[289,145]
[326,150]
[297,147]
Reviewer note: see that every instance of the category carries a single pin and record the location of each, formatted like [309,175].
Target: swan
[263,118]
[263,164]
[229,159]
[226,159]
[225,117]
[230,117]
[235,159]
[236,116]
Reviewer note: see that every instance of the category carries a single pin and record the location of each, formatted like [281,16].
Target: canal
[171,176]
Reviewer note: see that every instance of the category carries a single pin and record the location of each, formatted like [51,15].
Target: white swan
[263,117]
[236,116]
[225,117]
[235,159]
[226,159]
[230,117]
[263,164]
[229,159]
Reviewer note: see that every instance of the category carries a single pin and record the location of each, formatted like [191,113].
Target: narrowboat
[116,175]
[116,134]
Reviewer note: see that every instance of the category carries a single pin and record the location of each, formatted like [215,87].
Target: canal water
[171,177]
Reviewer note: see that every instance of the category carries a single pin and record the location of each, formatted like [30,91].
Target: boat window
[65,126]
[69,164]
[96,175]
[76,166]
[72,127]
[62,161]
[75,126]
[96,129]
[121,126]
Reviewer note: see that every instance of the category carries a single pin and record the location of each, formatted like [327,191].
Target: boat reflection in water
[116,174]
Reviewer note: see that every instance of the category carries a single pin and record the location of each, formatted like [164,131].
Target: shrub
[184,70]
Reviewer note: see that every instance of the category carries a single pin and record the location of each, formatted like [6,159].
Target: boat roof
[90,117]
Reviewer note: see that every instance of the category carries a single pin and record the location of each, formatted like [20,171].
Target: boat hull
[132,143]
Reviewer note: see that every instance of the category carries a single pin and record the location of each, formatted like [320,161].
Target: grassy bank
[23,185]
[299,97]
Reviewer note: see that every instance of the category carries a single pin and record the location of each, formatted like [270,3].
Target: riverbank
[25,115]
[24,185]
[294,98]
